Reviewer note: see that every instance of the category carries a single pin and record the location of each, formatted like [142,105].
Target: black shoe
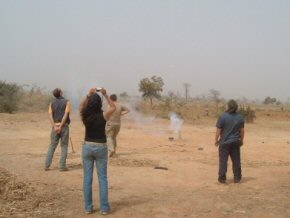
[223,181]
[237,180]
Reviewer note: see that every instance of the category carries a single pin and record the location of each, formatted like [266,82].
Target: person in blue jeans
[58,110]
[95,149]
[230,137]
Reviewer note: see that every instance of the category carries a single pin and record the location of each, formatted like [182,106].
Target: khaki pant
[112,132]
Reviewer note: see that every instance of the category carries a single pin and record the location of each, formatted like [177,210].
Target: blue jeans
[95,153]
[55,138]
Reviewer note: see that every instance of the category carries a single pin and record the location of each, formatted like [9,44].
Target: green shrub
[248,114]
[9,97]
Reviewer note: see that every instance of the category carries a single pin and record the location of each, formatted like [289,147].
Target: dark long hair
[232,106]
[91,106]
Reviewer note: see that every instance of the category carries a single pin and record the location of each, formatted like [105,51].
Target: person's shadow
[243,180]
[128,202]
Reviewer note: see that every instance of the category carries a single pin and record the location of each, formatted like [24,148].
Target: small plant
[248,114]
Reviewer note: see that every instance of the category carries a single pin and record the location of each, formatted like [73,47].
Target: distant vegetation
[195,109]
[151,88]
[31,98]
[269,100]
[248,114]
[9,97]
[15,98]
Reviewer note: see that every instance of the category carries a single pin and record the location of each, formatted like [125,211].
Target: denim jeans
[232,150]
[54,137]
[98,154]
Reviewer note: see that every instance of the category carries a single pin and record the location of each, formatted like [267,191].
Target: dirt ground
[185,185]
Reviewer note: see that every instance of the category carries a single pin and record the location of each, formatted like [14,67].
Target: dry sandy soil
[188,188]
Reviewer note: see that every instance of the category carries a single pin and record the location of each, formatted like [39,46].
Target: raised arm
[108,113]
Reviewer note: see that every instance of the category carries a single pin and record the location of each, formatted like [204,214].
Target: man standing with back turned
[114,125]
[58,111]
[229,137]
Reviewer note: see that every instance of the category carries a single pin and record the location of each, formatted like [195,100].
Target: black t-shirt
[95,132]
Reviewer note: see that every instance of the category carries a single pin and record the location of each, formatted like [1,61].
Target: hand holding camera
[102,90]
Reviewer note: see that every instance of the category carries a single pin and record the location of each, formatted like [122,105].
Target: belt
[95,143]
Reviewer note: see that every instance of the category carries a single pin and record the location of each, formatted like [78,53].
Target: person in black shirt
[95,149]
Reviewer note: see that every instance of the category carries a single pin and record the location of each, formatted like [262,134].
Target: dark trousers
[232,150]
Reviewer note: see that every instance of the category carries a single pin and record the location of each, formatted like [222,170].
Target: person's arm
[124,111]
[108,113]
[66,113]
[84,102]
[50,116]
[242,133]
[217,136]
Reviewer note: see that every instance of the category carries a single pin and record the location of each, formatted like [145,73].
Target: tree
[215,97]
[9,96]
[186,89]
[248,114]
[124,95]
[269,100]
[151,88]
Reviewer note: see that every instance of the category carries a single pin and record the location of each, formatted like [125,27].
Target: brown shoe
[63,169]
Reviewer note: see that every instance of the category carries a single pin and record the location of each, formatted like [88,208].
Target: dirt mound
[20,199]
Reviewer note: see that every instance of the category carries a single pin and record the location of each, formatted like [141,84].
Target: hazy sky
[239,47]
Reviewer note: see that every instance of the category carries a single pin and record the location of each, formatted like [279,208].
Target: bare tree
[215,97]
[186,90]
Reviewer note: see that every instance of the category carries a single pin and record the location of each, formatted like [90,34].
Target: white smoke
[175,123]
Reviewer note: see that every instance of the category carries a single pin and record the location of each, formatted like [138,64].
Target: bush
[33,99]
[14,98]
[9,97]
[248,114]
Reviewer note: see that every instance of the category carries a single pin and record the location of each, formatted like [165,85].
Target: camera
[99,89]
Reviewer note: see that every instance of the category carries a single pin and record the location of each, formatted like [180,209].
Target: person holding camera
[58,111]
[94,150]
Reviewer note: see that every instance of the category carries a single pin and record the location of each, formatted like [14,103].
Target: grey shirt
[230,125]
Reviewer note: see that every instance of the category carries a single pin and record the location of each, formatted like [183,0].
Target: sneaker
[63,169]
[91,211]
[46,168]
[223,181]
[105,212]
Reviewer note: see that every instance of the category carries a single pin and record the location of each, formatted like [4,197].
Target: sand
[151,175]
